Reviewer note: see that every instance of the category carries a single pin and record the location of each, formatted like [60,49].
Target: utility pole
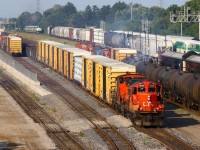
[102,25]
[146,30]
[131,11]
[38,6]
[185,16]
[161,3]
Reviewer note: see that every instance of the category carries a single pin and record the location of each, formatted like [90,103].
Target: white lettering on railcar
[145,104]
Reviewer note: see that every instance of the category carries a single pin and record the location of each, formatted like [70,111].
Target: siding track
[110,135]
[59,135]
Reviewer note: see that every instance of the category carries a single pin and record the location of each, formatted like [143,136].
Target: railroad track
[111,136]
[59,135]
[192,111]
[166,138]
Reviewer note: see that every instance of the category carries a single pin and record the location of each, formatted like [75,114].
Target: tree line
[116,17]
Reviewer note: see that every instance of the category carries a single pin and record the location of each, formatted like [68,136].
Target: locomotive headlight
[149,98]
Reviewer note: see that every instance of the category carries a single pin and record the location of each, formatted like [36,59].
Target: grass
[1,70]
[36,37]
[82,134]
[44,104]
[182,111]
[35,97]
[54,109]
[146,141]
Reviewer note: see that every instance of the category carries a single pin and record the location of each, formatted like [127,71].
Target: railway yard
[63,115]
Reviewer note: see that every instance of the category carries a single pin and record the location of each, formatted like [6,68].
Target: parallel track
[111,136]
[59,135]
[166,138]
[192,111]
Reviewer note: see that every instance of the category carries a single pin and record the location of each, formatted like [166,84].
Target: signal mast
[185,16]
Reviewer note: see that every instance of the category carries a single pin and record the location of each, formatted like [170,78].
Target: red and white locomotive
[140,100]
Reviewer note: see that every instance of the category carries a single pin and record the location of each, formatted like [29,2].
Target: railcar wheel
[117,108]
[129,116]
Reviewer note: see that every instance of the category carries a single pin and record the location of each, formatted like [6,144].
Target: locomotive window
[128,81]
[151,88]
[121,80]
[141,88]
[134,90]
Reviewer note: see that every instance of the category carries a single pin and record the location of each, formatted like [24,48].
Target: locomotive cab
[146,96]
[145,100]
[140,100]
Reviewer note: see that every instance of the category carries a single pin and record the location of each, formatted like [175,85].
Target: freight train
[110,80]
[178,86]
[11,44]
[148,44]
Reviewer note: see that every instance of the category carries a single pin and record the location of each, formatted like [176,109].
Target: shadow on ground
[176,117]
[9,146]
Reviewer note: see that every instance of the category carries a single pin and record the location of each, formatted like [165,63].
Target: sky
[13,8]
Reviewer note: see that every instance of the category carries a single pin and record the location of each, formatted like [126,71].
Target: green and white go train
[184,46]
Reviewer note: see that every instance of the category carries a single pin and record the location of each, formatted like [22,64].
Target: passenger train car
[110,80]
[184,46]
[33,29]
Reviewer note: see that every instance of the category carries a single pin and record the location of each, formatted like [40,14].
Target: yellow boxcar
[39,48]
[90,72]
[69,56]
[122,53]
[43,51]
[108,73]
[57,59]
[14,45]
[60,61]
[51,56]
[46,59]
[55,55]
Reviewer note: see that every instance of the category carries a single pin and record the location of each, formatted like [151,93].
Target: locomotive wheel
[116,107]
[129,116]
[122,111]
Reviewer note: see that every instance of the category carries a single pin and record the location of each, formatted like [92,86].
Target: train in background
[33,29]
[148,44]
[11,43]
[184,46]
[112,81]
[179,75]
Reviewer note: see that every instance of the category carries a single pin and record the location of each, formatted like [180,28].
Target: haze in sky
[13,8]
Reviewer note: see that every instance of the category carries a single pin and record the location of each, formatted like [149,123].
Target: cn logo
[148,104]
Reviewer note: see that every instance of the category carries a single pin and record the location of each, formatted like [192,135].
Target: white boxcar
[98,36]
[76,57]
[83,35]
[66,32]
[78,68]
[87,34]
